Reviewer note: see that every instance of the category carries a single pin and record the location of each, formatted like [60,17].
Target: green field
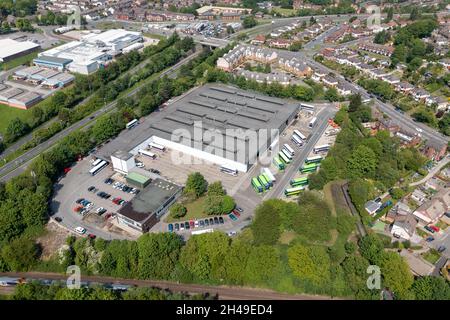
[194,211]
[8,113]
[431,256]
[284,12]
[18,61]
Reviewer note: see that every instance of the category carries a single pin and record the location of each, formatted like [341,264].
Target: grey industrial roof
[150,199]
[53,59]
[220,108]
[26,98]
[8,94]
[122,155]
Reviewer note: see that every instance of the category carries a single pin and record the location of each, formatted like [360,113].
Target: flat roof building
[145,209]
[222,124]
[25,100]
[11,49]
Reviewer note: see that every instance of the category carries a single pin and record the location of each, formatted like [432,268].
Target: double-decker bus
[132,124]
[295,139]
[299,134]
[283,157]
[98,167]
[321,148]
[312,122]
[229,170]
[311,167]
[264,182]
[269,174]
[147,153]
[299,182]
[288,148]
[293,191]
[157,146]
[257,185]
[315,159]
[277,162]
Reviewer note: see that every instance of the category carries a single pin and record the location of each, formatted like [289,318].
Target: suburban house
[404,226]
[431,211]
[372,206]
[418,196]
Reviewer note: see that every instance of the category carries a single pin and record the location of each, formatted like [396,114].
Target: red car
[77,208]
[435,228]
[116,200]
[192,224]
[92,236]
[236,213]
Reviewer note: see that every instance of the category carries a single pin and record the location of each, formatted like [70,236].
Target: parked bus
[299,134]
[156,146]
[278,163]
[321,148]
[132,124]
[273,144]
[287,154]
[297,140]
[288,148]
[269,180]
[98,167]
[147,153]
[257,185]
[293,191]
[311,167]
[315,159]
[312,122]
[269,174]
[299,182]
[307,106]
[283,157]
[264,182]
[229,170]
[96,162]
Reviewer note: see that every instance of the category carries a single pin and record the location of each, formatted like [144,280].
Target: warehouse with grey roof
[221,124]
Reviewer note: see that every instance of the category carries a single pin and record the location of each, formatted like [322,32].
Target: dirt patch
[54,237]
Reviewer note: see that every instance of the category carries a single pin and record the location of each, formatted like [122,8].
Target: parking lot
[75,186]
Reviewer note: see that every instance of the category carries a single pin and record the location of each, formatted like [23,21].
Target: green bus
[293,191]
[310,167]
[257,185]
[299,182]
[277,162]
[268,179]
[283,158]
[315,159]
[264,182]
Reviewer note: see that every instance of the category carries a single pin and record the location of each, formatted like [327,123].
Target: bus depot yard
[125,187]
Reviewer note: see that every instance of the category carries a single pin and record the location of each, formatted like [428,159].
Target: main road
[19,165]
[222,292]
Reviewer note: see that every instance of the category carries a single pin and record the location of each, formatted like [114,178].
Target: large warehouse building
[11,49]
[221,124]
[92,52]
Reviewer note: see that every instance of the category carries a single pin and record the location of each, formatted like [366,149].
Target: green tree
[262,265]
[249,22]
[362,162]
[178,210]
[196,184]
[266,225]
[396,274]
[431,288]
[21,254]
[310,263]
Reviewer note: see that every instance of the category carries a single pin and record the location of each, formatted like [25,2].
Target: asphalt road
[223,292]
[19,165]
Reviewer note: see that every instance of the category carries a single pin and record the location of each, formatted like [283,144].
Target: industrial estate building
[11,49]
[221,124]
[47,77]
[17,97]
[144,211]
[92,52]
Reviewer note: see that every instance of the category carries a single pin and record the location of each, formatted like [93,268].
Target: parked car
[236,213]
[239,209]
[92,236]
[447,214]
[232,217]
[91,188]
[441,249]
[79,200]
[206,222]
[429,239]
[192,224]
[196,223]
[221,220]
[216,220]
[201,223]
[177,227]
[186,225]
[435,228]
[58,219]
[80,230]
[170,227]
[211,221]
[181,226]
[429,229]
